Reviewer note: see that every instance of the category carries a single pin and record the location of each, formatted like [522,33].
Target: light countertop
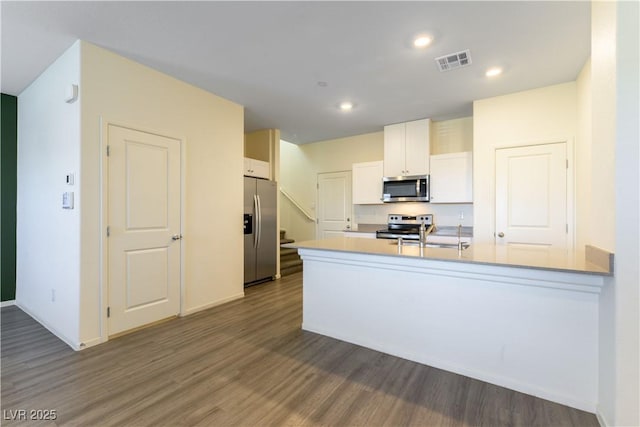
[366,228]
[507,256]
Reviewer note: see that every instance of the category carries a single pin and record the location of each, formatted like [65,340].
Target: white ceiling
[270,56]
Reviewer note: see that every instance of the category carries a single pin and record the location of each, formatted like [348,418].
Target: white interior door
[531,195]
[144,228]
[334,204]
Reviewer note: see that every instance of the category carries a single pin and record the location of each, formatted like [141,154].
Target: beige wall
[583,170]
[451,136]
[118,90]
[603,92]
[300,166]
[256,145]
[548,114]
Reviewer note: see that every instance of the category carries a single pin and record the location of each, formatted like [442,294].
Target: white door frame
[104,192]
[571,171]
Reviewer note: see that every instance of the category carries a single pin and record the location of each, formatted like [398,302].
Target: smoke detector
[454,60]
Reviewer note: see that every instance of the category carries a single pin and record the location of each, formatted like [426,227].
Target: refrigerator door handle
[255,216]
[259,221]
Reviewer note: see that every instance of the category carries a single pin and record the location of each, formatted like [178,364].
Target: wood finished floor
[247,363]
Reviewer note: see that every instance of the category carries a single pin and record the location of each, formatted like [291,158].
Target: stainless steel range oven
[405,226]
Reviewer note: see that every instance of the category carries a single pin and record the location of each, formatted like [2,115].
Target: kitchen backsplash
[448,214]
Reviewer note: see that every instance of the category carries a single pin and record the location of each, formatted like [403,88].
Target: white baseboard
[193,310]
[7,303]
[75,346]
[600,416]
[90,343]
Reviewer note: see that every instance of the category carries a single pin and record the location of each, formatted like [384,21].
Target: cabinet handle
[501,234]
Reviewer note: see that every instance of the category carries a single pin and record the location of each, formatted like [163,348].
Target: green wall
[8,182]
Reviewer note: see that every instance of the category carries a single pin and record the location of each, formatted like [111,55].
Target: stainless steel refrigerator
[260,233]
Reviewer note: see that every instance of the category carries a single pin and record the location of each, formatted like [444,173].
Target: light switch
[69,179]
[67,200]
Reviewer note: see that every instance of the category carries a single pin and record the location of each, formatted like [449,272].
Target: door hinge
[567,228]
[108,311]
[108,150]
[108,230]
[317,185]
[567,161]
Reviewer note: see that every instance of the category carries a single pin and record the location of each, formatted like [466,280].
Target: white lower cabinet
[367,183]
[451,178]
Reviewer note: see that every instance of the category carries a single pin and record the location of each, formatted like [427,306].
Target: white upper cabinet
[367,183]
[256,168]
[406,148]
[451,178]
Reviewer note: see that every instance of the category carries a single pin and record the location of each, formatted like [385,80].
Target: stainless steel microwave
[405,189]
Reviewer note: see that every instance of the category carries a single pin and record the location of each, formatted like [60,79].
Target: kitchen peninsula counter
[519,318]
[497,255]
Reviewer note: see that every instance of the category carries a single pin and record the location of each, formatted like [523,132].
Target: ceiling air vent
[454,60]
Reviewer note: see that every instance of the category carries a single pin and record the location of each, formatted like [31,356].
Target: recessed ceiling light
[492,72]
[346,106]
[422,41]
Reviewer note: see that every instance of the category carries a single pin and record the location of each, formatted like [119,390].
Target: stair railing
[297,205]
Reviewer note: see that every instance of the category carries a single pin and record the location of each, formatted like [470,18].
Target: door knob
[176,237]
[501,234]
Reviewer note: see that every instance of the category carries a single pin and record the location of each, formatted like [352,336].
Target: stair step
[290,257]
[292,263]
[290,267]
[287,271]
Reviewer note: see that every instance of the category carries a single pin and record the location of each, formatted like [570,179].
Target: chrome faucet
[424,232]
[459,239]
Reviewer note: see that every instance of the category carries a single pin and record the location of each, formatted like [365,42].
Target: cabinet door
[417,147]
[394,150]
[247,166]
[256,168]
[367,183]
[451,178]
[260,169]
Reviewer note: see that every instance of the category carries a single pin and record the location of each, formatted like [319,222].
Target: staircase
[290,261]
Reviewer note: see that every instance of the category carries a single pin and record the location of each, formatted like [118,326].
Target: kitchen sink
[465,245]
